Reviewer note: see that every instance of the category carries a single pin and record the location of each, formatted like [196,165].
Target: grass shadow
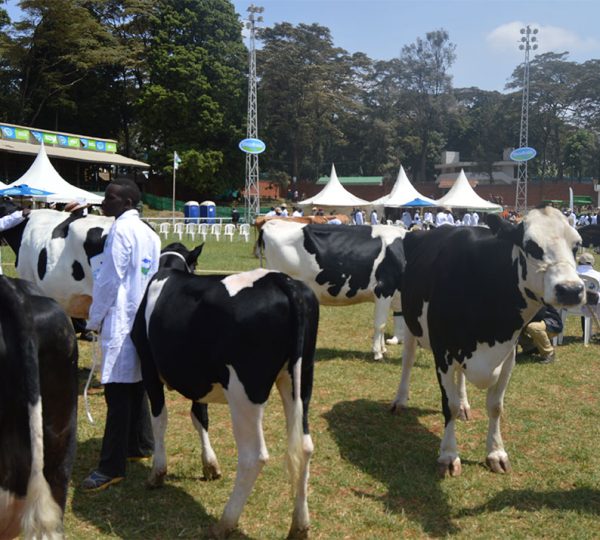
[130,510]
[401,453]
[528,500]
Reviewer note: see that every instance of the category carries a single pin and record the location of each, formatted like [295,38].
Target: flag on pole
[176,161]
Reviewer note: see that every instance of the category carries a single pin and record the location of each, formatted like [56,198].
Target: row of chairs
[205,229]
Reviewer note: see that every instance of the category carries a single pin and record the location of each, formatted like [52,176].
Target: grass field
[373,475]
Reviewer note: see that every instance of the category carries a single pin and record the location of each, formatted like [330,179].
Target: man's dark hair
[130,190]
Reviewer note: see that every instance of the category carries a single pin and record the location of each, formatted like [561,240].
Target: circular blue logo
[252,146]
[525,153]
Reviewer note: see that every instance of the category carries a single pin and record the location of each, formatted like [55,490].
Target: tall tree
[194,99]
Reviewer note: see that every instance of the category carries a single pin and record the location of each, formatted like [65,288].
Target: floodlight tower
[252,199]
[527,43]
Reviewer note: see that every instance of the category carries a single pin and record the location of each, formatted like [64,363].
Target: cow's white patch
[485,365]
[154,290]
[236,282]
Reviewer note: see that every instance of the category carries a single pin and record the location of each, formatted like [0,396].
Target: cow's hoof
[498,462]
[464,413]
[156,479]
[452,468]
[378,356]
[393,341]
[298,533]
[397,407]
[219,532]
[211,472]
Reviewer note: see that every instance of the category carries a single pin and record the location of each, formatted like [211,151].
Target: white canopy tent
[42,175]
[334,195]
[3,185]
[402,193]
[462,195]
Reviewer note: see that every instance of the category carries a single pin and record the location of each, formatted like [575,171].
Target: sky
[485,32]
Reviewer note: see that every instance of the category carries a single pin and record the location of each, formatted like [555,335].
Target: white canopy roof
[402,192]
[462,195]
[42,175]
[3,185]
[334,194]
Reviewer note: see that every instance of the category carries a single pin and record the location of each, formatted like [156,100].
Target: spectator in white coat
[130,259]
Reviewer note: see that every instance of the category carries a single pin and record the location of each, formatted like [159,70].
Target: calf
[343,266]
[228,339]
[54,251]
[467,294]
[38,411]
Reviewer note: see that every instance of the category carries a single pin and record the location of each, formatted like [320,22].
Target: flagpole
[173,209]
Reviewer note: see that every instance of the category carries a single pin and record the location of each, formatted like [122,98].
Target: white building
[503,172]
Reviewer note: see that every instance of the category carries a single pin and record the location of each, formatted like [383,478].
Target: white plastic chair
[203,230]
[592,285]
[245,231]
[178,230]
[191,229]
[164,229]
[229,231]
[215,230]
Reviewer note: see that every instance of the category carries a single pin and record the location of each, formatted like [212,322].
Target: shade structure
[23,190]
[402,192]
[419,203]
[334,195]
[3,185]
[42,175]
[462,195]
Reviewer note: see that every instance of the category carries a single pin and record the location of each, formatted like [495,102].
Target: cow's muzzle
[569,294]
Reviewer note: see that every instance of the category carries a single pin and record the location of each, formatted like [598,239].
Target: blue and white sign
[8,132]
[252,146]
[63,140]
[525,153]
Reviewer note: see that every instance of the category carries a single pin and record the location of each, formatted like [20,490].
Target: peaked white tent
[3,185]
[334,194]
[402,192]
[462,195]
[42,175]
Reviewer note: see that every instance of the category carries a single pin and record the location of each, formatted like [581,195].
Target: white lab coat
[130,259]
[11,220]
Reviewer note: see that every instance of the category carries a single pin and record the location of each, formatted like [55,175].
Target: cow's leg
[246,419]
[449,462]
[159,459]
[408,359]
[497,458]
[300,449]
[465,408]
[398,321]
[210,464]
[382,308]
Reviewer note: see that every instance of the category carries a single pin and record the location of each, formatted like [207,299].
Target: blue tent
[415,203]
[23,190]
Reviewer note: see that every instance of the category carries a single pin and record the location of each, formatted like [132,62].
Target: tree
[581,147]
[194,98]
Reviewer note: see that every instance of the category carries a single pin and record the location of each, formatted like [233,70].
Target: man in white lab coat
[130,259]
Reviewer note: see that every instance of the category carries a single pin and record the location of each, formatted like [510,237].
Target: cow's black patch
[62,229]
[523,264]
[94,242]
[470,282]
[390,270]
[42,263]
[78,273]
[332,247]
[533,248]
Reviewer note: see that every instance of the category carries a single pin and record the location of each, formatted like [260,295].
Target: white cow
[343,265]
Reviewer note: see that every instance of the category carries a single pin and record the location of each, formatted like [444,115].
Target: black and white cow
[53,251]
[343,266]
[228,339]
[38,411]
[467,294]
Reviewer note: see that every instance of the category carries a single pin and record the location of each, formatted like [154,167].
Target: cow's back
[55,254]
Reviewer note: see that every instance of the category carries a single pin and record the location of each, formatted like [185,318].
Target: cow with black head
[54,250]
[467,294]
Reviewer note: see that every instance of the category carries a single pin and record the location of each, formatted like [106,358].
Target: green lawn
[373,475]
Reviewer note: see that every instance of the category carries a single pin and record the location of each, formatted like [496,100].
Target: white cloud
[506,38]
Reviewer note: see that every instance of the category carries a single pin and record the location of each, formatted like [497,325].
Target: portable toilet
[191,211]
[208,212]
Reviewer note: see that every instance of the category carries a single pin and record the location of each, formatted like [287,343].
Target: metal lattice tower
[528,42]
[252,198]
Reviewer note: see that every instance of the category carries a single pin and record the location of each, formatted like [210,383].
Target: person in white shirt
[130,258]
[407,219]
[467,221]
[475,219]
[449,217]
[428,218]
[284,210]
[12,220]
[297,213]
[374,218]
[585,266]
[358,217]
[271,212]
[441,218]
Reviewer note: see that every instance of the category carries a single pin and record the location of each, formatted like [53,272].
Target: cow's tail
[42,516]
[300,368]
[259,248]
